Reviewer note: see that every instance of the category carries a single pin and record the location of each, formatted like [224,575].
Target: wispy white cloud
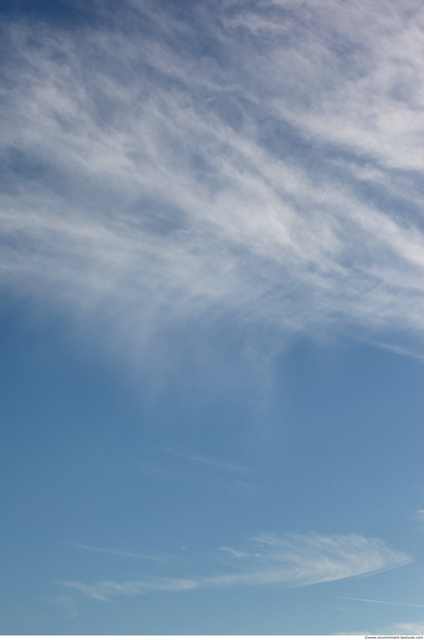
[404,628]
[120,553]
[289,561]
[234,552]
[401,604]
[153,186]
[397,349]
[184,464]
[107,589]
[409,628]
[208,461]
[67,603]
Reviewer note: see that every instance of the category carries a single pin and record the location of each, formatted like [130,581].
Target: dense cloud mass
[258,163]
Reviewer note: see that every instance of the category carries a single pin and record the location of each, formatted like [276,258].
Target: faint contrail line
[402,604]
[117,553]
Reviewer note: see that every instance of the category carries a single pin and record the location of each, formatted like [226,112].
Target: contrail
[402,604]
[117,553]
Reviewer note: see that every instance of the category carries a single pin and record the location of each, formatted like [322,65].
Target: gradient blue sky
[212,317]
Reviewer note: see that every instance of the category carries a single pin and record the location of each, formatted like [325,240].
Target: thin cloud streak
[187,466]
[289,561]
[119,553]
[227,466]
[401,604]
[234,552]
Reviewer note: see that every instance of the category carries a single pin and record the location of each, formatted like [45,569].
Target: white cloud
[404,628]
[66,603]
[116,552]
[363,65]
[184,464]
[154,188]
[289,561]
[409,628]
[234,552]
[208,461]
[400,604]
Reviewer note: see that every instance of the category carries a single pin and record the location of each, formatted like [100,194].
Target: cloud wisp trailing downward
[288,561]
[271,177]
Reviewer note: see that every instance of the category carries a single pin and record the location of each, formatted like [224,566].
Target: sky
[212,317]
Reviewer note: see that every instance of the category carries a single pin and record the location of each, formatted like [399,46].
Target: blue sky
[212,304]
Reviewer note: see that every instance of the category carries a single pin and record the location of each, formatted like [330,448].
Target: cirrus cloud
[286,561]
[260,163]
